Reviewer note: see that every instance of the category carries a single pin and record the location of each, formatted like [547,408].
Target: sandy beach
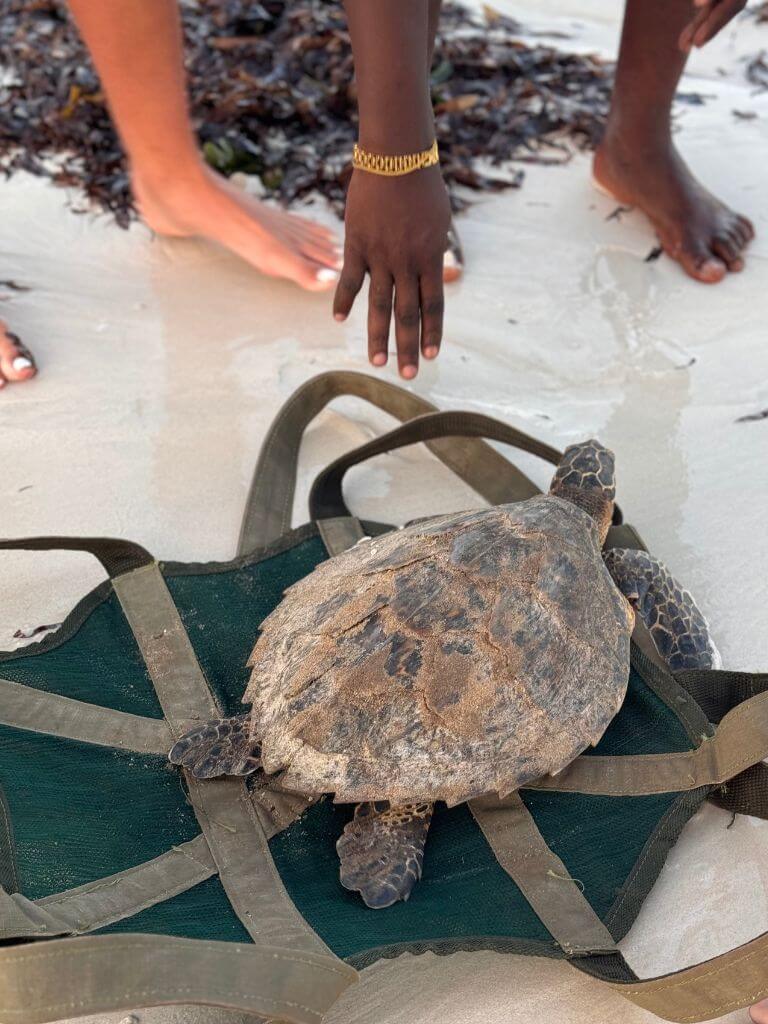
[163,363]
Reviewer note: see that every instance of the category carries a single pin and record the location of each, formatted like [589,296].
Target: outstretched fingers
[432,307]
[407,324]
[379,316]
[414,299]
[350,283]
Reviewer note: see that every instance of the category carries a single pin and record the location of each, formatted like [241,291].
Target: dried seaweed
[757,71]
[754,417]
[272,95]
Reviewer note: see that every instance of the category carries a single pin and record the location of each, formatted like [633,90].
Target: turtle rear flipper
[382,851]
[223,746]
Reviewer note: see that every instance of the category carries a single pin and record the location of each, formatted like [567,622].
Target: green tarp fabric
[81,812]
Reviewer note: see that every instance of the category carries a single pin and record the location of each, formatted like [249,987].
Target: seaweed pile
[272,94]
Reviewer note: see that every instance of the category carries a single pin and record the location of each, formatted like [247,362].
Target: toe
[314,276]
[728,250]
[747,227]
[320,252]
[700,263]
[16,361]
[743,230]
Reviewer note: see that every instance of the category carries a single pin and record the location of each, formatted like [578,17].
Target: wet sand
[162,364]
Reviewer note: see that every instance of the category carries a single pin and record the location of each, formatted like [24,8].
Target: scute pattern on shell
[464,656]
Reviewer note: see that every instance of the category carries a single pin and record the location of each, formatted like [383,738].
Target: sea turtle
[463,655]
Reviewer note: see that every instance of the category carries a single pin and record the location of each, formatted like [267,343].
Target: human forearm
[390,41]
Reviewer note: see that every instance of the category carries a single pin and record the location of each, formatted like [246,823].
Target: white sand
[162,363]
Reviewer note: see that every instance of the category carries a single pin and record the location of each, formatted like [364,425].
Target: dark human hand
[396,232]
[710,17]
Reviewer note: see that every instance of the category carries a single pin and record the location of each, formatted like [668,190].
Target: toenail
[339,317]
[21,363]
[326,274]
[379,359]
[431,351]
[409,372]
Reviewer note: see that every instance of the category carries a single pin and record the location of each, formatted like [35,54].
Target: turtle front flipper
[382,851]
[223,746]
[677,627]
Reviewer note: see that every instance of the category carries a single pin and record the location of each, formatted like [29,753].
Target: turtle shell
[466,655]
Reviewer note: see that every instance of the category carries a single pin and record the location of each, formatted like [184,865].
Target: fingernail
[326,274]
[339,317]
[379,359]
[21,363]
[431,351]
[409,372]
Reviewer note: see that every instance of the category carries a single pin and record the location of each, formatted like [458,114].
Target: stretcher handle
[269,506]
[116,555]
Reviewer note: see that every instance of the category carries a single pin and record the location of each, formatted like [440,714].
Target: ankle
[187,178]
[628,142]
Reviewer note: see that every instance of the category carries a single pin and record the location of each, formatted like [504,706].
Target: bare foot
[705,237]
[16,361]
[277,243]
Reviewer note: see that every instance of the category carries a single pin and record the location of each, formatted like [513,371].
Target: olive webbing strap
[541,876]
[107,900]
[728,982]
[44,982]
[26,707]
[739,742]
[707,990]
[340,533]
[326,498]
[9,875]
[229,821]
[718,693]
[116,555]
[270,502]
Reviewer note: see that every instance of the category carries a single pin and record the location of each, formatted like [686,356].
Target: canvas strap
[327,504]
[116,555]
[49,981]
[106,900]
[542,877]
[290,974]
[718,693]
[269,506]
[728,982]
[326,497]
[26,707]
[233,829]
[740,741]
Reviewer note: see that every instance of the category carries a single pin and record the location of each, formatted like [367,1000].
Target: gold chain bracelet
[391,166]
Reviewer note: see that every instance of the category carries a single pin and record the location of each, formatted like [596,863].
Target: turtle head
[586,476]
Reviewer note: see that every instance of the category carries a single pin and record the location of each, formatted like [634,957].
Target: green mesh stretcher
[126,884]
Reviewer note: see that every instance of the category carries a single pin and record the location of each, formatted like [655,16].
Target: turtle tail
[223,746]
